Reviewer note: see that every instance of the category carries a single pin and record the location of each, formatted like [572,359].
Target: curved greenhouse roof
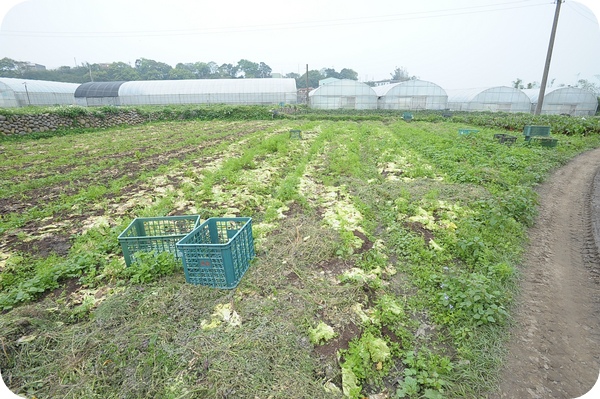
[98,89]
[210,91]
[411,95]
[24,92]
[191,91]
[499,98]
[565,100]
[344,93]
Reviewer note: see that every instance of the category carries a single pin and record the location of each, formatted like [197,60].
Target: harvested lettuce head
[223,314]
[321,333]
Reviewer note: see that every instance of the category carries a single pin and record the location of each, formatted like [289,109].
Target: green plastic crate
[296,133]
[535,130]
[218,252]
[467,132]
[545,141]
[159,234]
[505,139]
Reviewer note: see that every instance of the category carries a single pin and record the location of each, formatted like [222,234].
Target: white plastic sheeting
[343,94]
[209,91]
[565,100]
[24,92]
[326,81]
[411,95]
[499,98]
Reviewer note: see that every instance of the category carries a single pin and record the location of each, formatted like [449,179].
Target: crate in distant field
[467,132]
[545,141]
[534,130]
[505,139]
[296,133]
[159,234]
[218,252]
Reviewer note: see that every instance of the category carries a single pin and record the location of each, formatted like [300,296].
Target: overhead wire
[571,6]
[450,12]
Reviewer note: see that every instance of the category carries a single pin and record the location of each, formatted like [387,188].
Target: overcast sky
[455,44]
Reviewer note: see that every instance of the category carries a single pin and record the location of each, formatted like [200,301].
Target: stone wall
[24,124]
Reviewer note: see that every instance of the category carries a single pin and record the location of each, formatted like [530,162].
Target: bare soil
[554,349]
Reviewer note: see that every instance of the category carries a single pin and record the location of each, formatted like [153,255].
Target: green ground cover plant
[388,256]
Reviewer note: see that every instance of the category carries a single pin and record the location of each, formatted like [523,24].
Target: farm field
[388,257]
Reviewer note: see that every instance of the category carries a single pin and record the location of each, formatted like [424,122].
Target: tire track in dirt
[554,350]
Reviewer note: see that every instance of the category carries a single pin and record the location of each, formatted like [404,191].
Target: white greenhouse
[565,100]
[411,95]
[24,92]
[499,98]
[196,91]
[343,94]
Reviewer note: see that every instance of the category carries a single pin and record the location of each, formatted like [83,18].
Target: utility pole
[27,92]
[306,84]
[90,69]
[538,108]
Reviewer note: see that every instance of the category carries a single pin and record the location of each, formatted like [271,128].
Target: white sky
[458,44]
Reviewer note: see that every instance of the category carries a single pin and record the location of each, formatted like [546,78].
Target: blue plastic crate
[218,252]
[159,234]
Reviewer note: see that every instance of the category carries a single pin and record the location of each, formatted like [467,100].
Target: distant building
[30,66]
[302,95]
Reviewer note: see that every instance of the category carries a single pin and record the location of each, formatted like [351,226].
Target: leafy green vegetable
[321,333]
[378,350]
[350,385]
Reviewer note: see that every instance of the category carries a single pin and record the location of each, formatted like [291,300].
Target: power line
[571,6]
[292,25]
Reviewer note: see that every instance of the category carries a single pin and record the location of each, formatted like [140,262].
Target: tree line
[146,69]
[581,83]
[143,69]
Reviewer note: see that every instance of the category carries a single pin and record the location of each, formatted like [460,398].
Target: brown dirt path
[554,350]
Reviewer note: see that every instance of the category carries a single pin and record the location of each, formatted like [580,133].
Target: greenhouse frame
[411,95]
[343,94]
[193,91]
[494,99]
[565,100]
[98,93]
[26,92]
